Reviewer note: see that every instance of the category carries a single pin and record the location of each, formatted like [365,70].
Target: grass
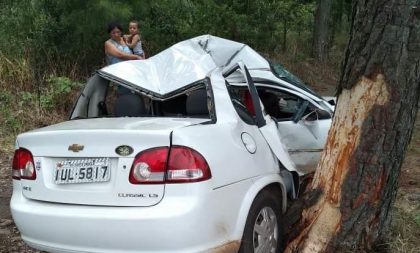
[405,227]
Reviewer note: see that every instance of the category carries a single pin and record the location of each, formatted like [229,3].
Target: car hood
[183,64]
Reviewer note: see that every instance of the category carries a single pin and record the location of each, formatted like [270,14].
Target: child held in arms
[133,39]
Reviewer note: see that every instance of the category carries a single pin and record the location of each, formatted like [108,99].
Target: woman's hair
[112,25]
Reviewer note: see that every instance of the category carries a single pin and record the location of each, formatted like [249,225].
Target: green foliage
[73,32]
[56,94]
[11,122]
[20,110]
[417,218]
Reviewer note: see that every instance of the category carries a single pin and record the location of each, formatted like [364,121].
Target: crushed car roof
[184,63]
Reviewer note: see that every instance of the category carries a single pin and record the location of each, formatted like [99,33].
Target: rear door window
[242,103]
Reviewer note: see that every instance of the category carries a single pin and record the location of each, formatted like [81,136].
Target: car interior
[192,104]
[102,99]
[109,102]
[284,106]
[280,105]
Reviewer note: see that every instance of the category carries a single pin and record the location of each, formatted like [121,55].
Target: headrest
[271,103]
[197,103]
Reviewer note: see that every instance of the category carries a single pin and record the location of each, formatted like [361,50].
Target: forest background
[48,49]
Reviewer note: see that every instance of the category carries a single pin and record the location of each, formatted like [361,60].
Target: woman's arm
[134,41]
[110,49]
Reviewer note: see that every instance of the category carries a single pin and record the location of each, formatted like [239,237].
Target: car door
[302,125]
[266,125]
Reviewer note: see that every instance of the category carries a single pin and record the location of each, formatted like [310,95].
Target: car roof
[190,61]
[182,64]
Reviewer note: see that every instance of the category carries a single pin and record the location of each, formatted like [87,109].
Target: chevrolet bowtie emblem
[76,147]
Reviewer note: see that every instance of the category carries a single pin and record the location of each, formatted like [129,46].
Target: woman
[116,49]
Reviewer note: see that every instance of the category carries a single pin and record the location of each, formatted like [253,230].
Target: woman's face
[115,34]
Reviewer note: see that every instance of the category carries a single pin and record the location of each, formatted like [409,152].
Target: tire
[263,231]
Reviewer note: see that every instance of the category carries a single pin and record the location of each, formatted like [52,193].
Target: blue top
[112,60]
[123,48]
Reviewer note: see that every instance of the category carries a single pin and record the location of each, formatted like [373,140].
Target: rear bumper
[196,223]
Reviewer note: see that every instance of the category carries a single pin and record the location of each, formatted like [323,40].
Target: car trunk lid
[93,143]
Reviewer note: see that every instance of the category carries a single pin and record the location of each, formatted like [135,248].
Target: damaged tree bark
[355,184]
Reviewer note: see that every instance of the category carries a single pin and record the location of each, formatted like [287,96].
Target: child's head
[133,27]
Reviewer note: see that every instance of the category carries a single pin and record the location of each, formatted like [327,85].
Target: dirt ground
[408,199]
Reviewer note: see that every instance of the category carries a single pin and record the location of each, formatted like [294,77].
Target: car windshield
[285,75]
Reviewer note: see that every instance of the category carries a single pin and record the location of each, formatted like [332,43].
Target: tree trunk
[337,17]
[320,40]
[284,44]
[355,184]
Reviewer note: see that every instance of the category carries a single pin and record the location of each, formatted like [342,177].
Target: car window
[242,103]
[282,105]
[279,71]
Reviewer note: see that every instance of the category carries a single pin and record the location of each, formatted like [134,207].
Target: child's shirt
[138,49]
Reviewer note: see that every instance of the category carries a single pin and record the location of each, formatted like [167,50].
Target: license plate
[87,170]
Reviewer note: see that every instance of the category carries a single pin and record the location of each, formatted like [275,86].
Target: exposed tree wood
[320,39]
[378,98]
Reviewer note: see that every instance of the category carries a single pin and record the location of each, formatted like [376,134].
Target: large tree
[348,203]
[320,39]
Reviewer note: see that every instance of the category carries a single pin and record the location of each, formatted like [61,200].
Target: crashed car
[196,149]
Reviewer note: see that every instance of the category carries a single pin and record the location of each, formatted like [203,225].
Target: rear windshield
[108,99]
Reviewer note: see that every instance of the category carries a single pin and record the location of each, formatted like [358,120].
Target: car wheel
[262,233]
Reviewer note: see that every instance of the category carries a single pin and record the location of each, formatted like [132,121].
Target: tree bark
[320,38]
[355,184]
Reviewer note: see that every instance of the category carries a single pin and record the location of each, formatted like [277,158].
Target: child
[133,39]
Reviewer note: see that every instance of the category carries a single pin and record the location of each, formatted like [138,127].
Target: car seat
[270,102]
[129,105]
[197,104]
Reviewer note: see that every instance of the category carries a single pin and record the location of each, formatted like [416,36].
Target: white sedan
[193,150]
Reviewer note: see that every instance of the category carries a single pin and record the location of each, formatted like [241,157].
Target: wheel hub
[265,234]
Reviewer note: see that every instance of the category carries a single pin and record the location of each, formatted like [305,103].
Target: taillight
[149,166]
[153,166]
[23,165]
[186,165]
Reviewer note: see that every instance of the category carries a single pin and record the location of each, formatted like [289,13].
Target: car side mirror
[301,110]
